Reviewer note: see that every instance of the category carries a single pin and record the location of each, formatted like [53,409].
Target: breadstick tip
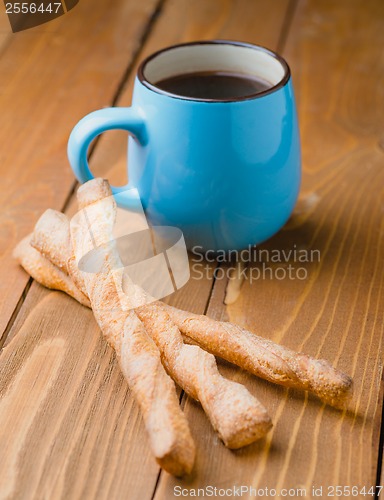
[93,191]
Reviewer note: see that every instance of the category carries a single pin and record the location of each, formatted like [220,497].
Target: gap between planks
[380,456]
[290,14]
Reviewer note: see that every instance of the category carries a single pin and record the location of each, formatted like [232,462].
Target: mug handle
[94,124]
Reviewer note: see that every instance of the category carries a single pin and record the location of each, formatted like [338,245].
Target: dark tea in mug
[215,85]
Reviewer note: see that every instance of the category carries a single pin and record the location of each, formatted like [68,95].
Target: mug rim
[154,88]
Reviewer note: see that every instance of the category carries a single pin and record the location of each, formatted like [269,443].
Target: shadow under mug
[226,172]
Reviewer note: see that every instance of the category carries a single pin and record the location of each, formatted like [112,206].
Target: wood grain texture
[51,76]
[79,434]
[337,312]
[69,427]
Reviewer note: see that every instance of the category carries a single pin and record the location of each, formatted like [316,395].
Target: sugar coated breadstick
[236,415]
[46,273]
[139,358]
[265,358]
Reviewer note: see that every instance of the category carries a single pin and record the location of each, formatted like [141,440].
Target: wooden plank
[337,312]
[67,73]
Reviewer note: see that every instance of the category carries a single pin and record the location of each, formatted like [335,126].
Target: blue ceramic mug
[226,172]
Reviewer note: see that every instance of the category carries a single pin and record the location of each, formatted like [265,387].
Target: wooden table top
[69,427]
